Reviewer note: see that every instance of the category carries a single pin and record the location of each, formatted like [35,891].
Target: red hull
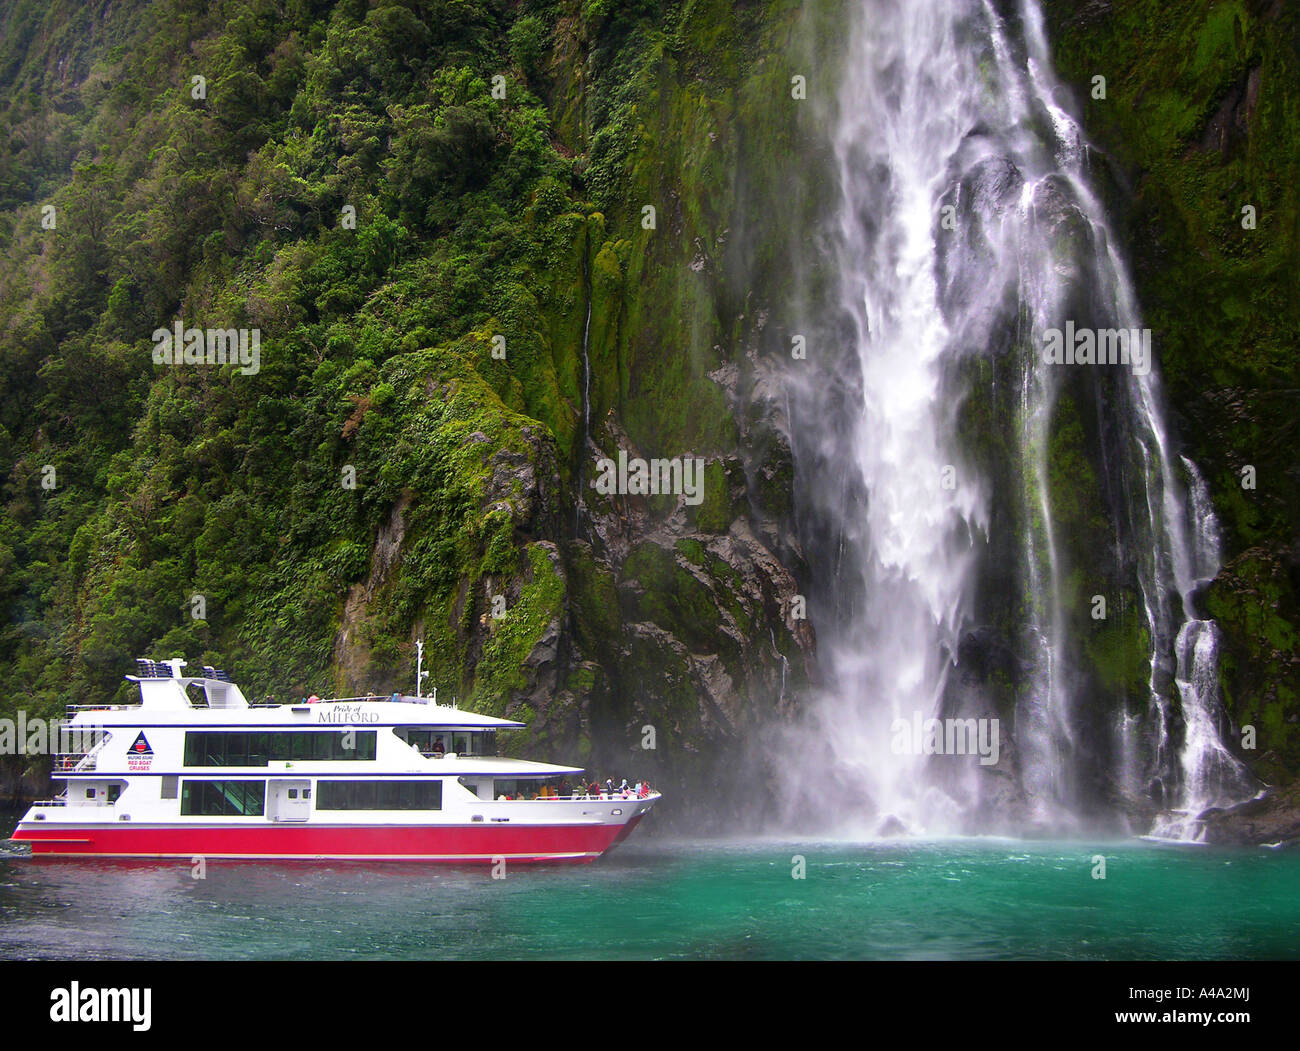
[450,843]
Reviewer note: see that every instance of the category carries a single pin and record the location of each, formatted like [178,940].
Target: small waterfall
[1211,775]
[966,232]
[579,504]
[586,370]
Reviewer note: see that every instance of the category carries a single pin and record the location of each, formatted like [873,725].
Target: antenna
[420,673]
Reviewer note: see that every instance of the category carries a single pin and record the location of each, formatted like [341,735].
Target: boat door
[288,799]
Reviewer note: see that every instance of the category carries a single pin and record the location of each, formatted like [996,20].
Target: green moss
[670,596]
[692,550]
[714,514]
[594,597]
[501,670]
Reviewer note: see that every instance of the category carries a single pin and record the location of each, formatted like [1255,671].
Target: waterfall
[965,233]
[580,505]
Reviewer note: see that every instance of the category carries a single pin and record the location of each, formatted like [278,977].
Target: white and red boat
[195,770]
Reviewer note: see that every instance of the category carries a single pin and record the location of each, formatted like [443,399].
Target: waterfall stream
[929,438]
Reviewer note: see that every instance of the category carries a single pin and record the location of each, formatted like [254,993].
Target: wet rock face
[702,644]
[1219,297]
[1270,819]
[24,778]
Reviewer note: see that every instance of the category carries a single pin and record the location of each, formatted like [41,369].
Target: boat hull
[452,844]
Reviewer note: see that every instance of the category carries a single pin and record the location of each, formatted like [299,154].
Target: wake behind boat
[195,770]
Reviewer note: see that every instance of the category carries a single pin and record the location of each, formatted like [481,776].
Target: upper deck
[211,700]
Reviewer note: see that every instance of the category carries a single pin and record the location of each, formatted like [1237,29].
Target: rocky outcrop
[1200,143]
[1271,819]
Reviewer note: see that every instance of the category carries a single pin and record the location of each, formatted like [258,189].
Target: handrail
[68,761]
[370,698]
[604,797]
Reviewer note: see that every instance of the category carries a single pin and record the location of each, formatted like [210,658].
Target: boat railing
[603,797]
[369,698]
[56,801]
[68,761]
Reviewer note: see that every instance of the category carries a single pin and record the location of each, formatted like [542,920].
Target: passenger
[438,748]
[313,699]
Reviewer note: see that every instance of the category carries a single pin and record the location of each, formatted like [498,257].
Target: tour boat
[196,771]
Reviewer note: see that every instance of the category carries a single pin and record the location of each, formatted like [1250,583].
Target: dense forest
[487,242]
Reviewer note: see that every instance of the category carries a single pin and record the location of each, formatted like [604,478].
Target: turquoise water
[963,899]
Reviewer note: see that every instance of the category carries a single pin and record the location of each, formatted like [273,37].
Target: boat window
[531,788]
[113,792]
[258,749]
[242,748]
[236,750]
[223,798]
[460,742]
[379,795]
[171,787]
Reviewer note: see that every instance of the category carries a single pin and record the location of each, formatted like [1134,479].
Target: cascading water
[965,233]
[583,451]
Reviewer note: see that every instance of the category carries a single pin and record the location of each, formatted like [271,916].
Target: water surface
[955,899]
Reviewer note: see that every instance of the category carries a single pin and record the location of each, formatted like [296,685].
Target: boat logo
[139,756]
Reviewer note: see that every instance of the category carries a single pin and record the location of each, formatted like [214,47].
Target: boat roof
[168,698]
[356,713]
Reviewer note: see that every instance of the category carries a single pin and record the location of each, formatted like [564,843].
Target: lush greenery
[1201,121]
[435,214]
[384,190]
